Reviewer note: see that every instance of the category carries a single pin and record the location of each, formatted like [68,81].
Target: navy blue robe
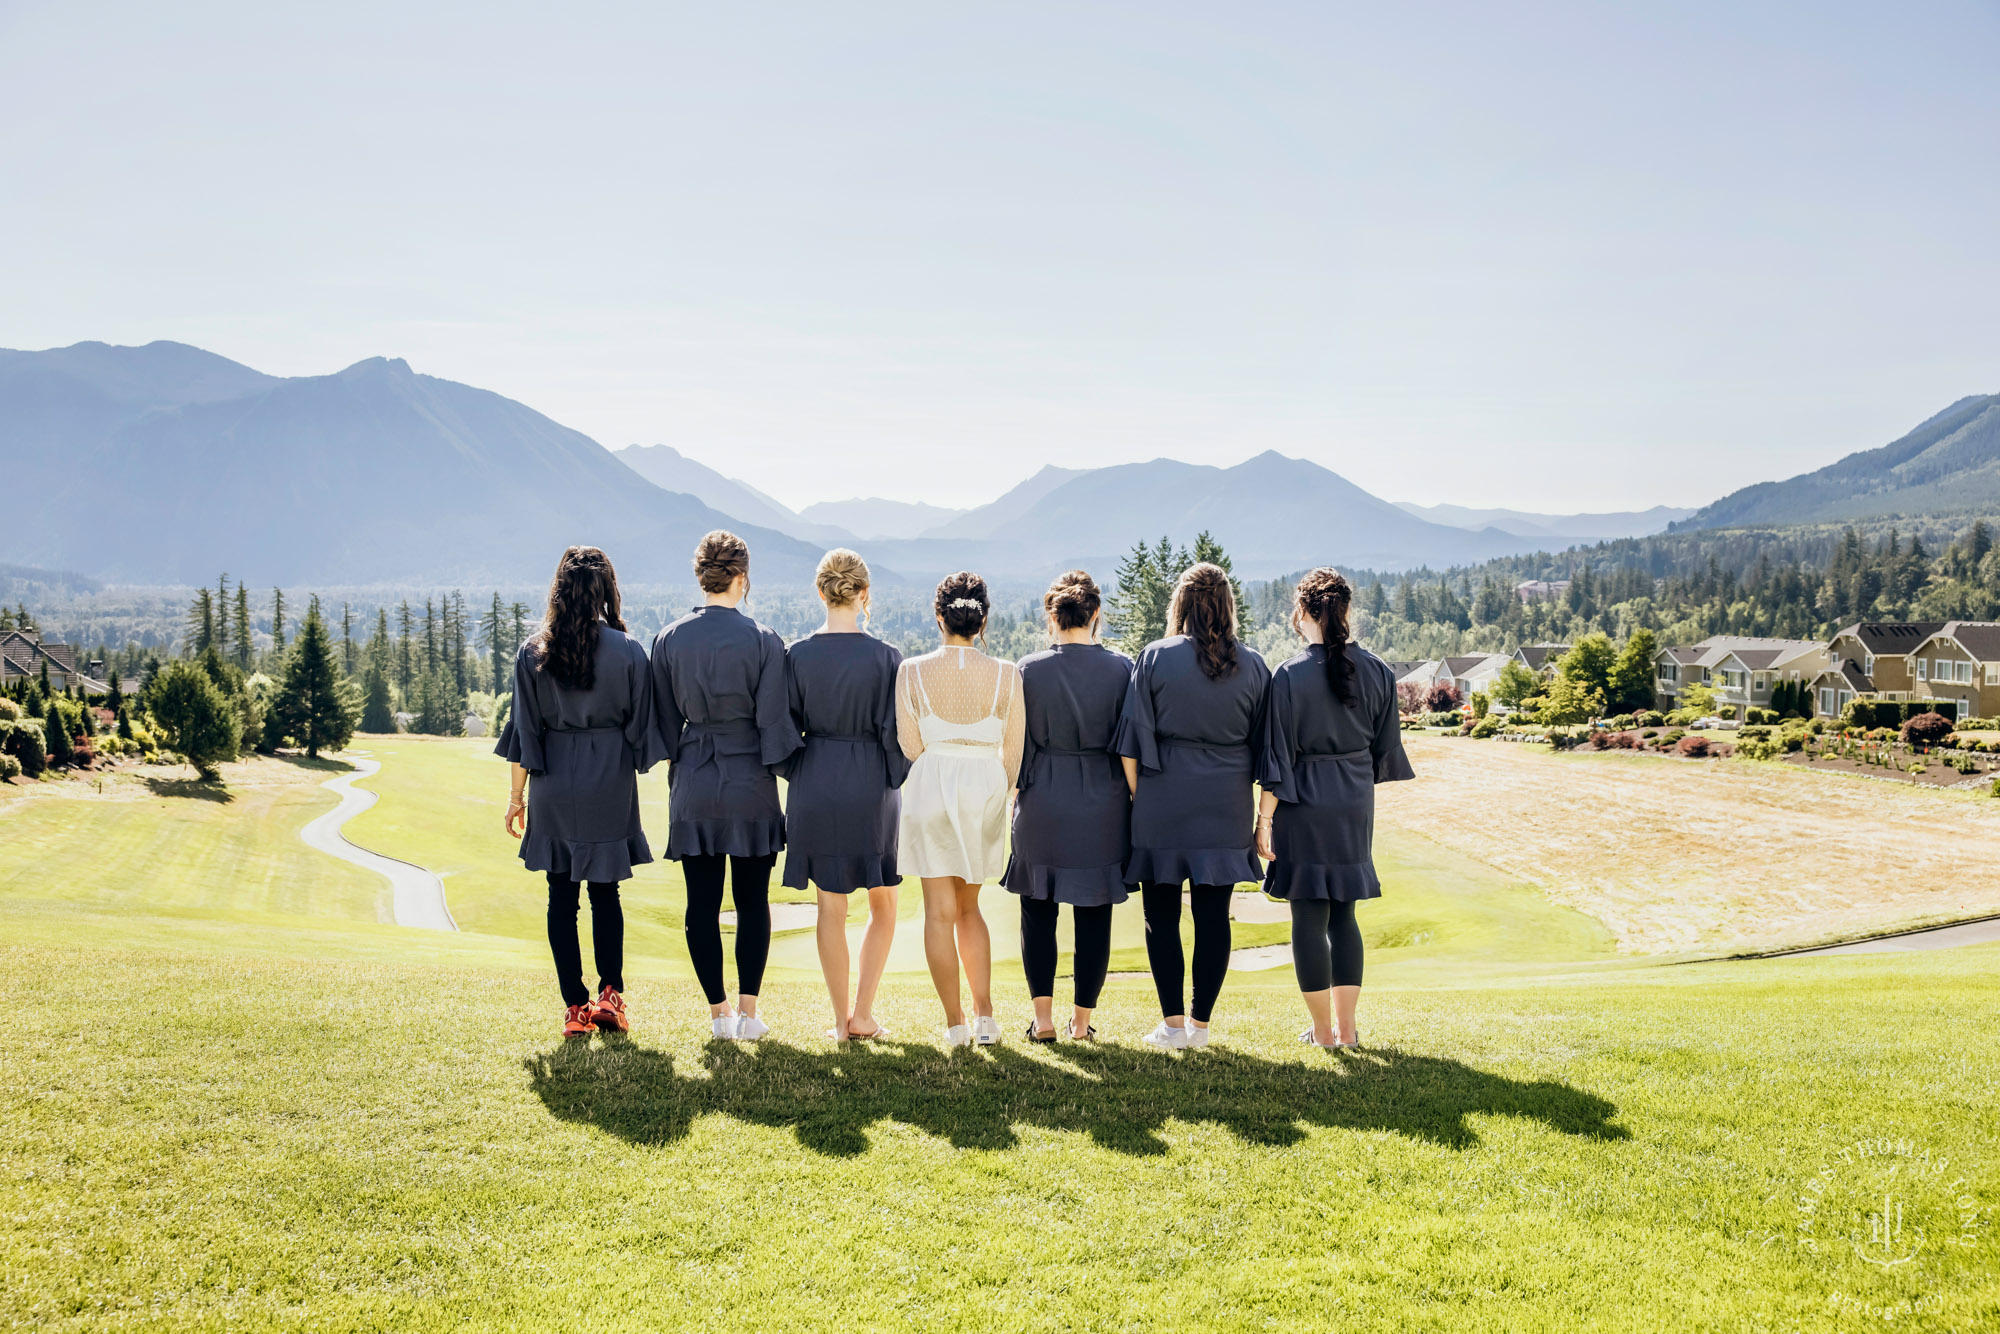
[1072,820]
[842,806]
[1194,818]
[720,702]
[1322,758]
[584,751]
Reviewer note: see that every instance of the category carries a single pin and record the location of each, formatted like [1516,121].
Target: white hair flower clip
[956,603]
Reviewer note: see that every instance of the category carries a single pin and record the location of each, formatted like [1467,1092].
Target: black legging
[1038,948]
[750,886]
[607,937]
[1326,944]
[1211,944]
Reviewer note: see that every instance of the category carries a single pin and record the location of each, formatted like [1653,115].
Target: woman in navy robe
[843,804]
[1331,732]
[724,716]
[581,727]
[1072,819]
[1188,735]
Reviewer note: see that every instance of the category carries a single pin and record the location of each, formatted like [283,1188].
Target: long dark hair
[1324,598]
[584,592]
[1204,609]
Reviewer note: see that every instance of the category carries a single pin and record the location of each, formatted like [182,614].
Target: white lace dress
[960,721]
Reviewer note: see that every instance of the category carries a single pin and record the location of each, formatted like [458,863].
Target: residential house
[1959,666]
[1402,667]
[1476,672]
[1883,653]
[1740,669]
[23,653]
[1542,590]
[1835,686]
[1541,659]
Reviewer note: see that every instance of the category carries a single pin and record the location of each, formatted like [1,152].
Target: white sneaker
[1167,1039]
[986,1031]
[958,1035]
[1197,1035]
[749,1028]
[724,1025]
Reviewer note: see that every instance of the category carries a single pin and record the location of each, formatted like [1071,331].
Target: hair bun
[842,577]
[961,603]
[719,557]
[1072,600]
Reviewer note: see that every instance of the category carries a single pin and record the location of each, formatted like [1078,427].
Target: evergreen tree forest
[1684,587]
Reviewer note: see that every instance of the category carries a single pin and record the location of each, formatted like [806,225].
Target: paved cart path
[418,894]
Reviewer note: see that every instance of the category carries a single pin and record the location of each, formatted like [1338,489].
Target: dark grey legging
[1326,944]
[750,887]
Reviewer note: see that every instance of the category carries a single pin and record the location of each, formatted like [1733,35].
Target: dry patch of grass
[1703,856]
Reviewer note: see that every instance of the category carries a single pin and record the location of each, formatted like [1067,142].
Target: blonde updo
[842,577]
[718,559]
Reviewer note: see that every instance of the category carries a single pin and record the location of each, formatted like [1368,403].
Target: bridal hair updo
[1204,609]
[842,577]
[583,593]
[1324,597]
[1072,600]
[718,559]
[961,603]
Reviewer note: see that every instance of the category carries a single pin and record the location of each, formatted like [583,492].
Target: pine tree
[312,707]
[458,641]
[376,713]
[520,635]
[115,700]
[194,715]
[405,654]
[201,622]
[492,627]
[7,617]
[62,749]
[245,641]
[346,639]
[430,635]
[1137,609]
[278,622]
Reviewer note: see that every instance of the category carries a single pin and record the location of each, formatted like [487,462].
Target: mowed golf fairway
[235,1098]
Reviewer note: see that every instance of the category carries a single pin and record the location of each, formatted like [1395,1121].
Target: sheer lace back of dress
[963,688]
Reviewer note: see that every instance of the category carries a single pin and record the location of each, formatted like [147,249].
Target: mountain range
[1950,463]
[168,464]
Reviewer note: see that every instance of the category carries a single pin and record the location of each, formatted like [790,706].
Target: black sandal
[1089,1035]
[1035,1034]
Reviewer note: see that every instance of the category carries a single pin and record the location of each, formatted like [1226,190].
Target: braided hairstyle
[1072,600]
[1204,609]
[1324,597]
[583,592]
[962,603]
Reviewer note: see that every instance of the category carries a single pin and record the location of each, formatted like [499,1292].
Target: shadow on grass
[198,789]
[1121,1097]
[323,764]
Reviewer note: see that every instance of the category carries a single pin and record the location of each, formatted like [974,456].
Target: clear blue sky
[1558,257]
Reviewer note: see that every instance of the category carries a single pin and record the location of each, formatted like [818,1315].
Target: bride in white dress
[960,721]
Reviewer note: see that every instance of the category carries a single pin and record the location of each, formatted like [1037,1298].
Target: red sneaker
[577,1022]
[609,1012]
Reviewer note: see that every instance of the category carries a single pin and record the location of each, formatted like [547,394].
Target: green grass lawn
[235,1099]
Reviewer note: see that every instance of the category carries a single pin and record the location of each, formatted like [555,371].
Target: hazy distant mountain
[871,517]
[166,464]
[668,468]
[1273,514]
[1562,528]
[993,520]
[1949,463]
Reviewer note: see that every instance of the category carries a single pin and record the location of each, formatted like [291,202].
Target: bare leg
[1344,1001]
[1320,1005]
[1079,1020]
[831,935]
[975,947]
[940,952]
[875,945]
[1045,1014]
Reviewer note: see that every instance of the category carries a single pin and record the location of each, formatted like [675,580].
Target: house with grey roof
[24,653]
[1742,670]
